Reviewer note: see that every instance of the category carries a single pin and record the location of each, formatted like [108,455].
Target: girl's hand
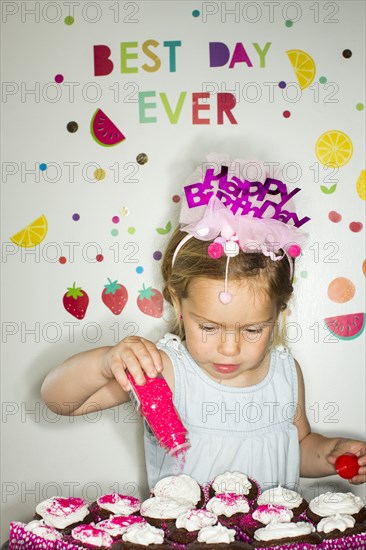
[136,354]
[358,448]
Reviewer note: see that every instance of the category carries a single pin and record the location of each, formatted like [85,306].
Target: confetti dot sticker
[115,219]
[322,79]
[139,269]
[69,20]
[360,106]
[289,23]
[196,13]
[347,54]
[334,216]
[356,227]
[59,78]
[142,158]
[286,114]
[164,230]
[364,267]
[72,127]
[361,185]
[114,232]
[99,257]
[282,84]
[62,260]
[175,198]
[131,230]
[76,217]
[124,211]
[304,274]
[43,167]
[99,174]
[157,255]
[341,290]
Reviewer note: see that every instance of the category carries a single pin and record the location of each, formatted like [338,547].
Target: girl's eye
[207,328]
[254,330]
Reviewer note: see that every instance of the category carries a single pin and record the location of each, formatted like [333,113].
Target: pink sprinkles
[114,498]
[64,506]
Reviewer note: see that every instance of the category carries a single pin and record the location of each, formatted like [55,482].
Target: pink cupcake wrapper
[352,542]
[295,546]
[20,539]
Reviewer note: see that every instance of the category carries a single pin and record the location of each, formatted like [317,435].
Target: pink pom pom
[225,297]
[215,250]
[294,250]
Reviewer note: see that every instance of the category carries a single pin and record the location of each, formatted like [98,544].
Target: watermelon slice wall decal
[346,327]
[104,131]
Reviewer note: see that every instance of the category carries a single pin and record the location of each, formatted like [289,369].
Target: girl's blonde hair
[258,270]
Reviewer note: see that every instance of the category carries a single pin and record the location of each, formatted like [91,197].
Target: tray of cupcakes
[230,511]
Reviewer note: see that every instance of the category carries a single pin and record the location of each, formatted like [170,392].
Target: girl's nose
[229,344]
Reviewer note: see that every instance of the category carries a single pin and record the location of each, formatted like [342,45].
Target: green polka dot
[69,20]
[360,106]
[131,230]
[304,274]
[288,23]
[114,232]
[322,79]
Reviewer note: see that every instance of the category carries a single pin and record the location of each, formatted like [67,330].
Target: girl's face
[230,342]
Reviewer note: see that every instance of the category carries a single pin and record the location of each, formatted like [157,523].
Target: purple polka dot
[157,255]
[76,217]
[115,219]
[59,78]
[282,84]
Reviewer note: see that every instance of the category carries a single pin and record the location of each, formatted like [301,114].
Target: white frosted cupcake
[181,486]
[284,497]
[63,513]
[341,531]
[287,535]
[163,511]
[329,504]
[234,482]
[188,524]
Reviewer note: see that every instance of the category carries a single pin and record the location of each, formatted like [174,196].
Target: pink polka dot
[286,114]
[99,257]
[59,78]
[356,227]
[115,219]
[334,216]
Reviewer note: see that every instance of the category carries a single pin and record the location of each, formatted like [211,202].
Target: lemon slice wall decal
[33,234]
[304,67]
[361,185]
[334,148]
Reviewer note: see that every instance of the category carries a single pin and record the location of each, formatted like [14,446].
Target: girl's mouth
[225,369]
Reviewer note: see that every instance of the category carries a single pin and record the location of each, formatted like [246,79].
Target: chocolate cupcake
[329,504]
[87,536]
[63,513]
[188,525]
[162,511]
[140,536]
[341,531]
[113,504]
[262,516]
[284,497]
[181,486]
[234,482]
[217,537]
[287,535]
[229,508]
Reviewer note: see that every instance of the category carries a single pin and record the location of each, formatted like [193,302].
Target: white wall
[43,454]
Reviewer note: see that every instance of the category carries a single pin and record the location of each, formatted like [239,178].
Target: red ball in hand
[347,466]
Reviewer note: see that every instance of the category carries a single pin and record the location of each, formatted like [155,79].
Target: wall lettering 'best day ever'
[219,55]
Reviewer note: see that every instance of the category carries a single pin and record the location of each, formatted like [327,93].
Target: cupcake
[284,497]
[216,537]
[341,531]
[115,526]
[86,536]
[181,486]
[113,504]
[329,504]
[229,507]
[35,535]
[141,535]
[63,513]
[287,535]
[234,482]
[262,516]
[188,524]
[163,511]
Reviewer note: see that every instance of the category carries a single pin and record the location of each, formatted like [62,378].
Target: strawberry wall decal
[115,296]
[76,301]
[150,301]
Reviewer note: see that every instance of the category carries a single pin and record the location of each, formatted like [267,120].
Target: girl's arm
[96,379]
[317,452]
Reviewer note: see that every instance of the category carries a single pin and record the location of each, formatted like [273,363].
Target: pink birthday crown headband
[246,211]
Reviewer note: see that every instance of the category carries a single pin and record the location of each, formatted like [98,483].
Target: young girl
[240,395]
